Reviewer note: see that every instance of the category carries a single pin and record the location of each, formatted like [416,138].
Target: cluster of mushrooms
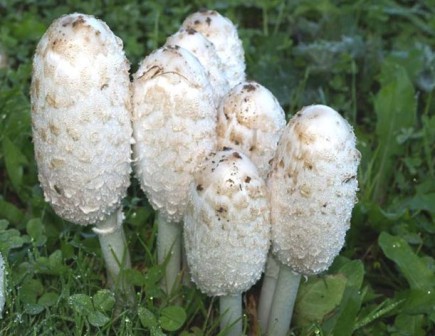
[212,153]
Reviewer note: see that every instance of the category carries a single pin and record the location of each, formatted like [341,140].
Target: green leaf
[147,318]
[81,304]
[318,297]
[36,229]
[172,318]
[411,325]
[418,301]
[413,268]
[10,212]
[48,299]
[14,161]
[104,300]
[346,316]
[30,290]
[395,106]
[33,308]
[98,319]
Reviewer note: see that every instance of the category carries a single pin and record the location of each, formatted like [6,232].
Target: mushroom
[174,126]
[227,231]
[80,97]
[206,53]
[312,189]
[251,120]
[2,285]
[223,34]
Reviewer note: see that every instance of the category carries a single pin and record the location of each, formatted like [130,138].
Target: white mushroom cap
[223,34]
[80,96]
[174,125]
[251,120]
[312,189]
[205,51]
[226,226]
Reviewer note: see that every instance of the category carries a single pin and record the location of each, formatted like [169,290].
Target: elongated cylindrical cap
[174,126]
[251,120]
[223,34]
[226,226]
[80,95]
[205,51]
[312,189]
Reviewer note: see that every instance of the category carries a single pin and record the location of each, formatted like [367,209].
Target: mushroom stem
[115,253]
[231,314]
[267,291]
[169,250]
[283,302]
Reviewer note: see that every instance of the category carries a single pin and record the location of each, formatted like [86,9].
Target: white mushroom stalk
[227,231]
[250,119]
[205,51]
[312,189]
[223,34]
[174,126]
[80,95]
[2,285]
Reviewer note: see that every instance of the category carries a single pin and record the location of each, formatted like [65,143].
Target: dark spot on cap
[347,179]
[247,179]
[325,205]
[249,87]
[226,148]
[220,210]
[251,148]
[199,187]
[197,22]
[191,31]
[80,19]
[57,189]
[104,86]
[237,155]
[226,116]
[208,20]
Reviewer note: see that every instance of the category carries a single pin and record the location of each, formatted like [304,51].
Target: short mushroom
[223,34]
[312,189]
[80,96]
[205,51]
[227,231]
[174,126]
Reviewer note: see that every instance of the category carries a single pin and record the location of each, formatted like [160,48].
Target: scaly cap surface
[204,50]
[223,34]
[312,189]
[227,225]
[174,126]
[80,95]
[251,120]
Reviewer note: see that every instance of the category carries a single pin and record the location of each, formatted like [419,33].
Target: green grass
[374,61]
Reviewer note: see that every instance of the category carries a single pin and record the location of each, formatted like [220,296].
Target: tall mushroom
[80,96]
[250,119]
[312,189]
[206,53]
[174,126]
[227,231]
[223,34]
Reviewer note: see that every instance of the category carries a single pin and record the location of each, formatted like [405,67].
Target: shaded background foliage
[373,61]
